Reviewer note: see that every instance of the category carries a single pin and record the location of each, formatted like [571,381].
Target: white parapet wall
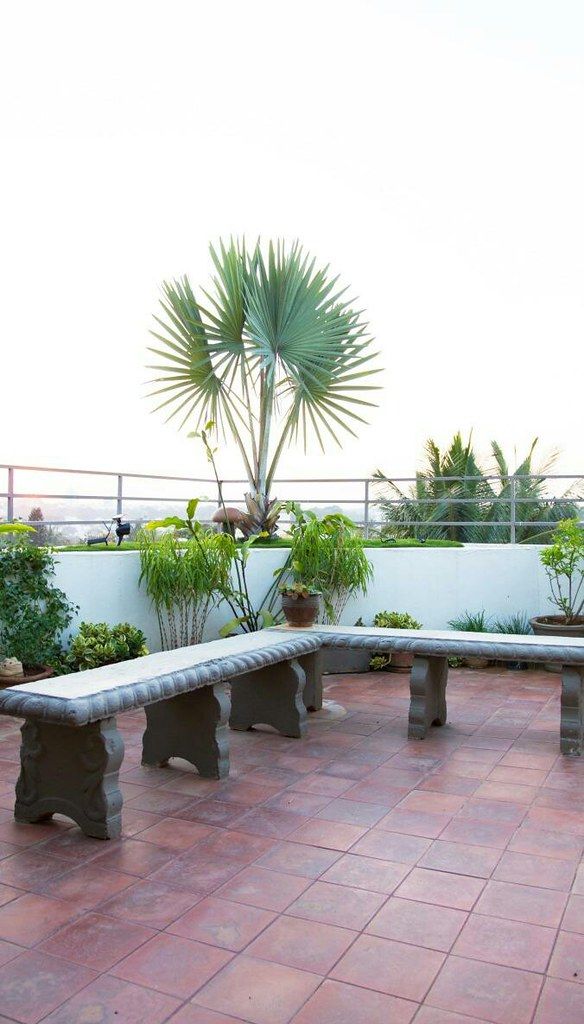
[433,584]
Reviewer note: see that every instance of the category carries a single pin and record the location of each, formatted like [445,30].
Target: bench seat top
[448,642]
[99,693]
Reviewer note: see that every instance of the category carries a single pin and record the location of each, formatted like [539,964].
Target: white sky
[432,152]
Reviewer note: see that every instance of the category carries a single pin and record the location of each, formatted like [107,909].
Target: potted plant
[397,661]
[300,603]
[472,622]
[329,555]
[33,612]
[564,565]
[516,625]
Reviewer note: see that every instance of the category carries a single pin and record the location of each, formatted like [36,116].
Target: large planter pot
[32,674]
[555,625]
[342,660]
[300,611]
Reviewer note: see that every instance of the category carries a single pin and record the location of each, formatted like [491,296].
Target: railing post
[366,512]
[10,497]
[513,516]
[120,497]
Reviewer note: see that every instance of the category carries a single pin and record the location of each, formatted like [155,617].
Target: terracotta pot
[300,611]
[476,662]
[555,625]
[401,661]
[32,674]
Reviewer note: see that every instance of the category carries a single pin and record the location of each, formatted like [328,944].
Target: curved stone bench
[71,749]
[429,675]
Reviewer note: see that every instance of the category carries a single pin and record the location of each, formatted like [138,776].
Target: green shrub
[391,620]
[396,620]
[98,644]
[564,565]
[33,612]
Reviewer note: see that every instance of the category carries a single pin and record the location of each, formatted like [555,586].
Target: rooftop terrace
[353,876]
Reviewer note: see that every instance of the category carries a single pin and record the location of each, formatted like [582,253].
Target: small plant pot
[401,661]
[555,625]
[300,611]
[476,662]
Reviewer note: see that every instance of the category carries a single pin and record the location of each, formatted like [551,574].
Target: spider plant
[272,353]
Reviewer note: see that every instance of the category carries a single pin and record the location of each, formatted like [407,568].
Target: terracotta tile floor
[350,878]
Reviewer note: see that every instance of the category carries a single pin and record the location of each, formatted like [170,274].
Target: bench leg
[572,710]
[270,696]
[427,695]
[71,771]
[312,665]
[193,726]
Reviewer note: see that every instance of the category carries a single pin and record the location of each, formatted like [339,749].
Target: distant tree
[44,536]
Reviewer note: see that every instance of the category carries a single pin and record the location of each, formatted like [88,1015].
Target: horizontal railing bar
[108,472]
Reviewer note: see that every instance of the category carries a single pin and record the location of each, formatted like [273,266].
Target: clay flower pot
[555,625]
[300,611]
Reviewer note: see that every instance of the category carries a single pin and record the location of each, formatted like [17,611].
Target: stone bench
[71,749]
[429,675]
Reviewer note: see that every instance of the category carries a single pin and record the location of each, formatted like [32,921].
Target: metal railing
[367,502]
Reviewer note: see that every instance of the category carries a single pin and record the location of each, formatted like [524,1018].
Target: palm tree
[467,510]
[274,352]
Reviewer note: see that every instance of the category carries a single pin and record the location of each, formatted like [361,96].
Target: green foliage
[274,340]
[33,612]
[297,590]
[396,620]
[98,644]
[453,503]
[15,528]
[516,624]
[276,542]
[564,565]
[379,662]
[184,580]
[471,622]
[391,620]
[328,554]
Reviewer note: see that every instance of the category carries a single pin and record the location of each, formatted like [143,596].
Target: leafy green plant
[466,510]
[15,528]
[298,590]
[391,620]
[97,644]
[516,624]
[33,611]
[184,580]
[564,565]
[396,620]
[272,353]
[471,622]
[328,554]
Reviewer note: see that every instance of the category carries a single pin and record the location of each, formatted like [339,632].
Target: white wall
[433,584]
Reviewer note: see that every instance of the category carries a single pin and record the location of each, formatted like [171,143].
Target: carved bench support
[71,771]
[572,710]
[313,666]
[193,726]
[427,695]
[270,696]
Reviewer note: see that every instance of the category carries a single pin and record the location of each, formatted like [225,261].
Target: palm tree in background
[439,496]
[271,354]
